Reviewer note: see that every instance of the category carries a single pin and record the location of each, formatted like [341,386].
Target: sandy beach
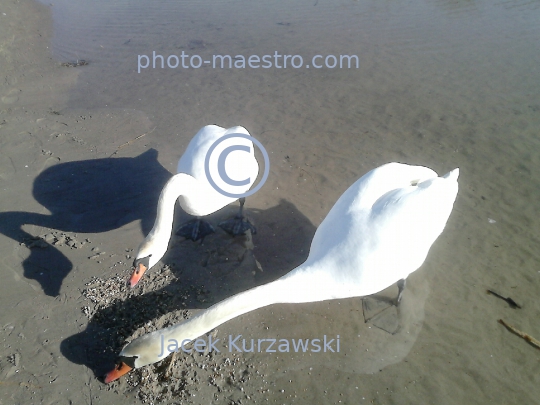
[85,151]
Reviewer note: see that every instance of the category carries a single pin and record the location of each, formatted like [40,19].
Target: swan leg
[238,225]
[401,286]
[384,313]
[195,229]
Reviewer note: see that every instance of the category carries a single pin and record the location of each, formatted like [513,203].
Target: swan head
[123,366]
[149,253]
[146,349]
[139,267]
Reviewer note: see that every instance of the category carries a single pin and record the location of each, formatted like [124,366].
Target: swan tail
[452,175]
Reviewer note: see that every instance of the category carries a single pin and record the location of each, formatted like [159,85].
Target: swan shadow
[90,196]
[205,274]
[281,243]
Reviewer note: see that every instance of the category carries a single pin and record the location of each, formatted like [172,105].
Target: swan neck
[288,289]
[178,185]
[229,308]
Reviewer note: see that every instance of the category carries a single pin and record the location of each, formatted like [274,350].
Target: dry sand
[75,205]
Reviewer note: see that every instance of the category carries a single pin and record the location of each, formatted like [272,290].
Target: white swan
[378,232]
[196,195]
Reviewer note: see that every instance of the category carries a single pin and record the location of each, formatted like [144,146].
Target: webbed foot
[195,229]
[238,225]
[383,313]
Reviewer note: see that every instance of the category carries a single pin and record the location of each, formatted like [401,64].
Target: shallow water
[470,60]
[439,83]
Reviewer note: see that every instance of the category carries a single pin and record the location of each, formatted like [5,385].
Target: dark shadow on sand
[218,269]
[89,196]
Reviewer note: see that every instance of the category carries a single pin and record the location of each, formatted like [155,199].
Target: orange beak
[137,274]
[118,372]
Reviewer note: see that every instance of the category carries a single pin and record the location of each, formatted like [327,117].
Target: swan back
[381,229]
[239,165]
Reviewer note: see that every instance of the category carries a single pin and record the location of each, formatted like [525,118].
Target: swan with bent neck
[378,232]
[196,195]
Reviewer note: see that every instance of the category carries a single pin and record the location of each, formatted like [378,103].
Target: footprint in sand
[12,96]
[7,169]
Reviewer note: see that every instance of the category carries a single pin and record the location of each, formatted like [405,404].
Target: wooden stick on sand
[521,334]
[130,142]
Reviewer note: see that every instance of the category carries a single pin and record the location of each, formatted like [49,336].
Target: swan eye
[130,361]
[145,261]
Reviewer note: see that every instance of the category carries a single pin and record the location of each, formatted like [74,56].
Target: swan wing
[382,227]
[402,226]
[239,165]
[193,160]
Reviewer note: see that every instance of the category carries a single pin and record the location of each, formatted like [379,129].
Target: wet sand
[79,190]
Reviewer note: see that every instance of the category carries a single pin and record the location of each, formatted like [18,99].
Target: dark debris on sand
[119,314]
